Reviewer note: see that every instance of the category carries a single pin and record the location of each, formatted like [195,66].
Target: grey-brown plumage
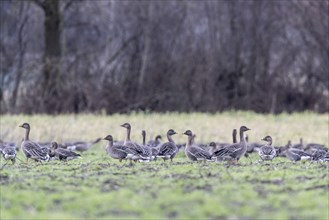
[281,150]
[217,146]
[137,152]
[80,146]
[320,155]
[147,150]
[4,144]
[234,151]
[300,145]
[116,151]
[267,151]
[193,151]
[252,146]
[168,150]
[213,147]
[63,154]
[153,151]
[9,153]
[155,142]
[311,148]
[31,149]
[325,157]
[295,154]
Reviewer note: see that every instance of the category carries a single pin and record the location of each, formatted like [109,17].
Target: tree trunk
[147,48]
[21,51]
[52,54]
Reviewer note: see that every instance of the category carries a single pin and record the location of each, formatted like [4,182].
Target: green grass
[96,186]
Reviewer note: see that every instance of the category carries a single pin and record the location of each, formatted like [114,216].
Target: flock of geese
[146,152]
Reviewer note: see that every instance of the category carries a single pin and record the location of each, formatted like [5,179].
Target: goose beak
[20,126]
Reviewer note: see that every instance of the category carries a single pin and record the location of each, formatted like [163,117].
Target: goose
[116,151]
[194,152]
[325,157]
[313,147]
[61,153]
[31,149]
[215,147]
[168,150]
[9,153]
[300,145]
[320,155]
[137,152]
[295,154]
[267,151]
[281,150]
[252,146]
[4,144]
[153,150]
[155,142]
[234,151]
[147,150]
[80,146]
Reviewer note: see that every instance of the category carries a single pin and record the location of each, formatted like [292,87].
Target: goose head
[126,125]
[267,139]
[25,126]
[171,132]
[54,145]
[244,128]
[212,144]
[188,133]
[108,138]
[158,137]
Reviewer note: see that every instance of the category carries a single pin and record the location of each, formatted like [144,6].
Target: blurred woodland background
[116,56]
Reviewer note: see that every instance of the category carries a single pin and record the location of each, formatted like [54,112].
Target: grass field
[96,186]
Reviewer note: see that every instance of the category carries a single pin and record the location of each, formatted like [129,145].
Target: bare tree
[118,56]
[52,52]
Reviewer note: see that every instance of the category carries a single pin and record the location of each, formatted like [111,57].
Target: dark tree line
[118,56]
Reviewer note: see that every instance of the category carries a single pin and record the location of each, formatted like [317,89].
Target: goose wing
[66,153]
[167,148]
[300,152]
[199,153]
[120,150]
[267,150]
[9,151]
[35,151]
[227,151]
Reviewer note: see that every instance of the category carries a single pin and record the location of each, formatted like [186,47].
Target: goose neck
[127,139]
[189,141]
[242,138]
[170,138]
[27,134]
[143,138]
[109,144]
[234,138]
